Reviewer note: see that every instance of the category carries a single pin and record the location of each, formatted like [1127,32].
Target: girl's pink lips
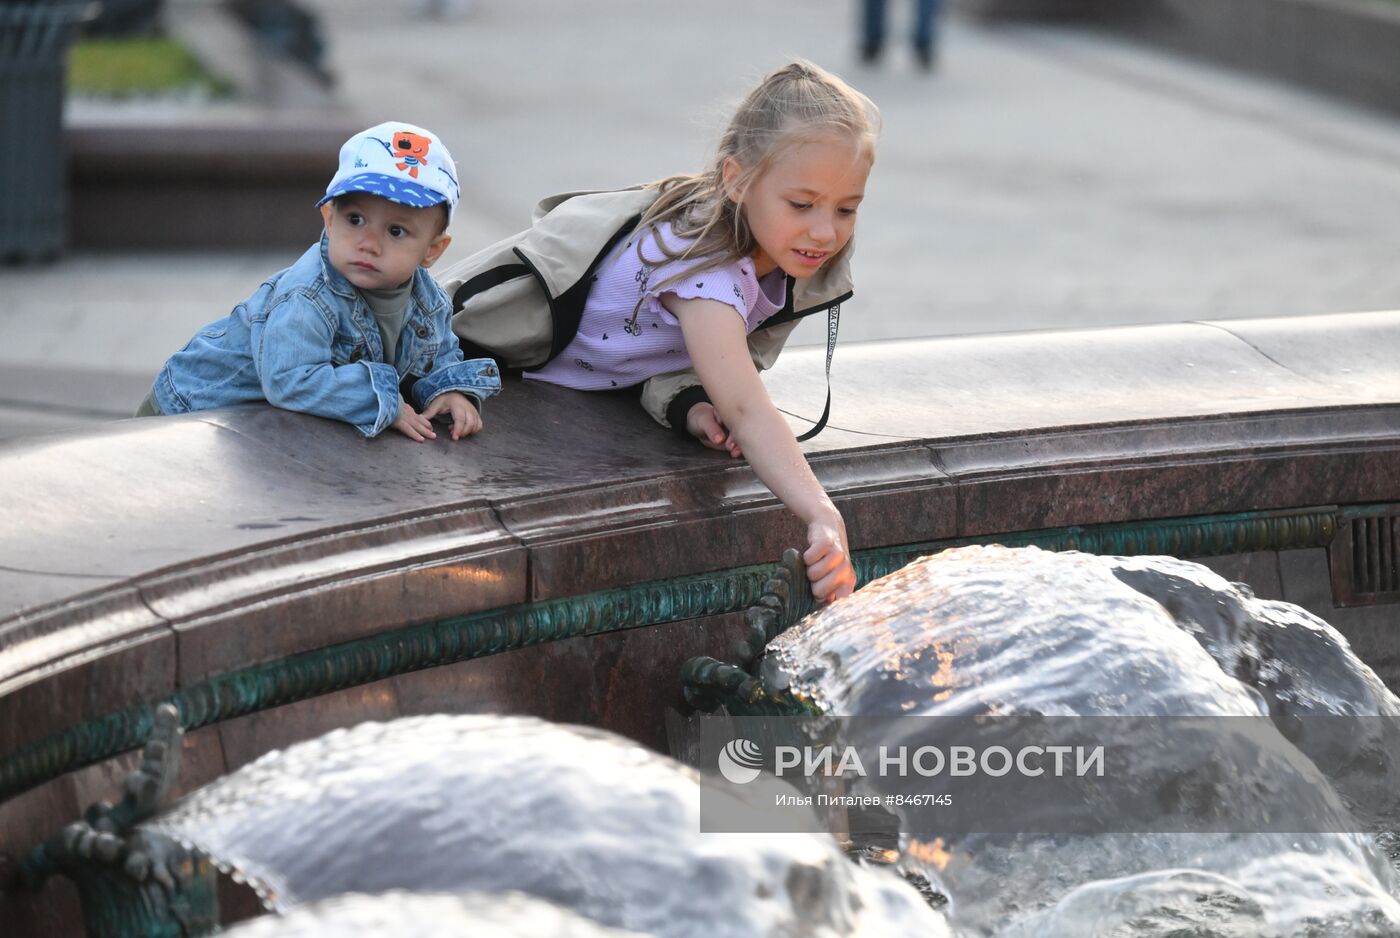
[810,258]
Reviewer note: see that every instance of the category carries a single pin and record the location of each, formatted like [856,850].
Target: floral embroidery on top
[631,283]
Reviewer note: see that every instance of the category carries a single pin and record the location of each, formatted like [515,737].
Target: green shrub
[137,67]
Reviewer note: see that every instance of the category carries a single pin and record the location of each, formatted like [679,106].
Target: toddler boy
[356,329]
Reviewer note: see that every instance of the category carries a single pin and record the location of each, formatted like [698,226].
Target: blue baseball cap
[398,162]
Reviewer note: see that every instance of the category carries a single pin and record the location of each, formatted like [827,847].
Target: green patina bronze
[447,641]
[710,683]
[133,883]
[116,907]
[1209,536]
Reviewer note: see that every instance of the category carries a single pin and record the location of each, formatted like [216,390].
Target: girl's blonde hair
[798,103]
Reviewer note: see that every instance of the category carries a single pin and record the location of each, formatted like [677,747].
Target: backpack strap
[567,309]
[485,281]
[833,323]
[680,405]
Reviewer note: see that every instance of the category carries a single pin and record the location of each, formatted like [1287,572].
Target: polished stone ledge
[143,556]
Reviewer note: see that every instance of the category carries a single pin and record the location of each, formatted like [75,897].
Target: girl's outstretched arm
[714,337]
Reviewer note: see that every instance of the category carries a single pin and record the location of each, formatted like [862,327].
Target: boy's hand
[413,425]
[465,418]
[828,561]
[704,424]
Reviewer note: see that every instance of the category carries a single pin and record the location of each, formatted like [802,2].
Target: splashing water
[998,631]
[579,817]
[394,914]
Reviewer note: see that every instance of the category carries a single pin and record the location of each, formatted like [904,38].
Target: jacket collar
[423,295]
[335,279]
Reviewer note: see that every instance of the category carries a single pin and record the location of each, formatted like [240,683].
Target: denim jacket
[307,341]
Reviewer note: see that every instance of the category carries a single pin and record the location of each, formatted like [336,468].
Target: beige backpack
[520,300]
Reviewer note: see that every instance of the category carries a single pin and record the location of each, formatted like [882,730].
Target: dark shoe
[926,58]
[870,53]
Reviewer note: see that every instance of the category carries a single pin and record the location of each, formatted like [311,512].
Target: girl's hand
[829,561]
[704,424]
[718,347]
[413,424]
[465,418]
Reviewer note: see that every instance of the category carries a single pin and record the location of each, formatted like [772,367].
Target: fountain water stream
[997,631]
[582,818]
[428,915]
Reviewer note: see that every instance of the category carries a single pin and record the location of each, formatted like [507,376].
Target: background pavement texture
[1044,176]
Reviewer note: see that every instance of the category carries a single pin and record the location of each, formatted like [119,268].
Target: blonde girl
[715,276]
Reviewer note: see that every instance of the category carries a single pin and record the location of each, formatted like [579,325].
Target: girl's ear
[730,174]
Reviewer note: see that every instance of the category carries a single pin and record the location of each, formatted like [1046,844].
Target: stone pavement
[1043,177]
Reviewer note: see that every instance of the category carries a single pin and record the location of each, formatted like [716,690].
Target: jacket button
[428,367]
[422,332]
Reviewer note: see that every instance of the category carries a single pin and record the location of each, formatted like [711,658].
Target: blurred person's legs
[926,31]
[872,29]
[444,9]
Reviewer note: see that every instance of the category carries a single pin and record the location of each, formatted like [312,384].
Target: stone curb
[244,175]
[1345,48]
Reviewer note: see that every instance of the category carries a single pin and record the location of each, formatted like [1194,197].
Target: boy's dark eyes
[355,218]
[397,231]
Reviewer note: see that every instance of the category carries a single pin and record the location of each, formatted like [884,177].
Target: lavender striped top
[615,349]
